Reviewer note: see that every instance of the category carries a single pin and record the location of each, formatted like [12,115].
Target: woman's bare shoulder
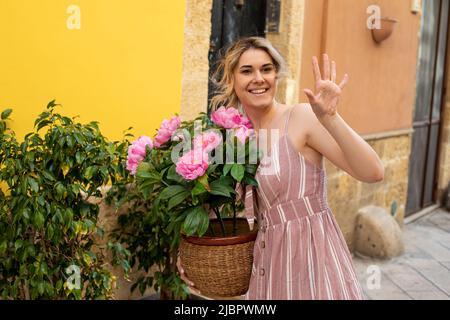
[303,114]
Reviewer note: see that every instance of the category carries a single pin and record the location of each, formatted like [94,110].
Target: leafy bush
[48,228]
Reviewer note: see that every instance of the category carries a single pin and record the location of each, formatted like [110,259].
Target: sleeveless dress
[300,252]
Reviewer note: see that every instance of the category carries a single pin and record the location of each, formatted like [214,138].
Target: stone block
[396,147]
[377,234]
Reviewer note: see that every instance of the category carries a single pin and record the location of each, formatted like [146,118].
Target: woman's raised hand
[326,97]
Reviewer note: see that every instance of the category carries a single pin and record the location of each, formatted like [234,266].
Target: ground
[421,273]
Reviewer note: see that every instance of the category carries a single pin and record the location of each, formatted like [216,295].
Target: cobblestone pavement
[421,273]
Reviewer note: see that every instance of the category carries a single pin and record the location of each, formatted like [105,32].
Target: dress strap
[286,125]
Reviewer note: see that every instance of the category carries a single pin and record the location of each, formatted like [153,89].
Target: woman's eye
[268,69]
[245,71]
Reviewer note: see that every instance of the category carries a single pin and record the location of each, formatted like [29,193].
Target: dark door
[231,20]
[427,116]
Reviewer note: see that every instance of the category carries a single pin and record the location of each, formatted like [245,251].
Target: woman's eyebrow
[264,65]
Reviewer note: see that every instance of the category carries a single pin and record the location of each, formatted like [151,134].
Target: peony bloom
[246,122]
[137,152]
[227,118]
[230,118]
[167,128]
[207,141]
[242,133]
[193,164]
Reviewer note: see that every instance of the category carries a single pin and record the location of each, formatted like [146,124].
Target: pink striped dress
[300,252]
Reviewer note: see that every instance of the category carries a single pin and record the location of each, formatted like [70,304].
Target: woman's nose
[258,77]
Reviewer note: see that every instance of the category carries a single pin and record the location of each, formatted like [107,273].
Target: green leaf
[26,213]
[60,189]
[43,124]
[198,189]
[90,171]
[6,113]
[39,219]
[70,141]
[3,246]
[211,168]
[173,175]
[51,104]
[18,244]
[41,287]
[251,168]
[50,231]
[171,191]
[219,188]
[237,172]
[44,268]
[78,157]
[250,181]
[197,221]
[33,184]
[204,181]
[177,199]
[226,168]
[47,175]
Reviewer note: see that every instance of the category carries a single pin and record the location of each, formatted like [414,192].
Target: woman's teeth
[259,91]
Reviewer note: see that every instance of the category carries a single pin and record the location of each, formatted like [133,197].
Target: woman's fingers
[333,71]
[344,81]
[310,95]
[316,69]
[326,67]
[185,279]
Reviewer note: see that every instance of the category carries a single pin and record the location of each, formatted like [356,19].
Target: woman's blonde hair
[223,76]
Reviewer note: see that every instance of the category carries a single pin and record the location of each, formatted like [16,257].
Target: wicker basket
[220,266]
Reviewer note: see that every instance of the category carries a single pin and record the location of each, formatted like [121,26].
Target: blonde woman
[300,252]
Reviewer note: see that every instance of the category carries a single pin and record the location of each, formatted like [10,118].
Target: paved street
[421,273]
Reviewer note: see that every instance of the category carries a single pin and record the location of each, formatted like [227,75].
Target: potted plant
[184,197]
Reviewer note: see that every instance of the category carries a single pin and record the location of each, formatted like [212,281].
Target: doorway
[422,183]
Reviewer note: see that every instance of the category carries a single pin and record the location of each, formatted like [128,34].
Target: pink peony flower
[229,118]
[137,152]
[242,133]
[246,122]
[207,141]
[192,165]
[167,128]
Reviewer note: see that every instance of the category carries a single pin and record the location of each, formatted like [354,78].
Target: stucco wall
[380,95]
[122,67]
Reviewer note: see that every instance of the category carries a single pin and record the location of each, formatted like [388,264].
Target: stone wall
[346,195]
[197,31]
[289,42]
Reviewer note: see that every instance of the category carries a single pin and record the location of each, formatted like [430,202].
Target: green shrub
[48,229]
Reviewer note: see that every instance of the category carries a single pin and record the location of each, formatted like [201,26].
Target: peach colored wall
[312,41]
[381,93]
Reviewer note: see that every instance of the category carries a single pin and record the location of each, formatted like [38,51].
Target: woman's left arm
[359,155]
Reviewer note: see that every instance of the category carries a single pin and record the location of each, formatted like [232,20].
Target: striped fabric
[300,252]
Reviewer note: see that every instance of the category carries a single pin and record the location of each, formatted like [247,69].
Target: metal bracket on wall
[239,3]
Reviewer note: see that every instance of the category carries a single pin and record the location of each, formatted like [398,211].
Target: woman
[300,252]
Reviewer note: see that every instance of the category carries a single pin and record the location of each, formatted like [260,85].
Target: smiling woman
[300,252]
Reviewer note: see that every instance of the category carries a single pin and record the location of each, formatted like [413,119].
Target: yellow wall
[122,67]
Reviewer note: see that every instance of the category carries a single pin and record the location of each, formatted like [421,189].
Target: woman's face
[255,79]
